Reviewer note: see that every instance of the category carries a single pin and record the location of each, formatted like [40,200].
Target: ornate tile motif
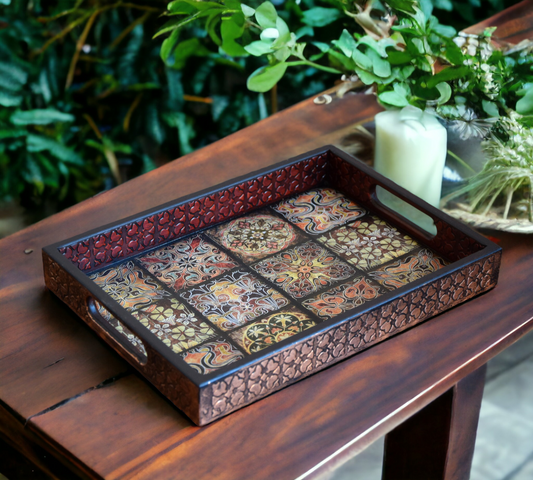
[234,299]
[343,297]
[304,269]
[368,242]
[128,285]
[134,340]
[271,330]
[408,269]
[319,210]
[174,324]
[187,262]
[254,236]
[212,355]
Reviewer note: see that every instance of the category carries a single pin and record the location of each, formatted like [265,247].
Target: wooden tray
[223,297]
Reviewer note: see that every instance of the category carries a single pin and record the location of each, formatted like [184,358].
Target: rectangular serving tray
[298,266]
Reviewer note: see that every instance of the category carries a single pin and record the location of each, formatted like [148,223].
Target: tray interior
[219,295]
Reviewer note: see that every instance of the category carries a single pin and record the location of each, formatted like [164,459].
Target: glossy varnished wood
[114,425]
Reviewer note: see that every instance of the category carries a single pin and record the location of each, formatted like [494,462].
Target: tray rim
[203,380]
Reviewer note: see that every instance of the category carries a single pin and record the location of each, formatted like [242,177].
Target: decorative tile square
[343,298]
[212,355]
[271,330]
[408,269]
[134,340]
[368,242]
[129,286]
[174,324]
[319,210]
[187,262]
[234,299]
[254,236]
[304,269]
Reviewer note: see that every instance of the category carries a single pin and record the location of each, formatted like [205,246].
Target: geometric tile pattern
[408,269]
[133,339]
[369,242]
[174,324]
[234,299]
[271,330]
[303,269]
[343,297]
[254,236]
[187,262]
[129,285]
[319,210]
[208,357]
[223,310]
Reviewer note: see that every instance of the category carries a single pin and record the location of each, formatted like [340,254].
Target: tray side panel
[301,360]
[356,184]
[165,377]
[174,222]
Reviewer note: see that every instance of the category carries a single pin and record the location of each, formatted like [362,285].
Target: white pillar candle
[411,150]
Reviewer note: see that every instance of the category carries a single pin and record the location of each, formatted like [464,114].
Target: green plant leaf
[43,116]
[362,60]
[176,23]
[346,63]
[403,6]
[393,98]
[366,77]
[380,67]
[264,78]
[258,48]
[490,108]
[248,11]
[12,133]
[9,99]
[190,6]
[266,15]
[168,45]
[346,43]
[524,106]
[445,75]
[39,143]
[231,29]
[188,48]
[320,16]
[445,92]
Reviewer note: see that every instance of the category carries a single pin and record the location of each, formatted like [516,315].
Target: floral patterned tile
[254,236]
[271,330]
[343,298]
[187,262]
[368,242]
[408,269]
[210,356]
[234,299]
[122,329]
[304,269]
[129,286]
[174,324]
[319,210]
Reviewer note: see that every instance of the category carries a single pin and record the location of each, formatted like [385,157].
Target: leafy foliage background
[86,101]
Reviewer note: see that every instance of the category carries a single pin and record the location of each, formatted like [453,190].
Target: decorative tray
[225,296]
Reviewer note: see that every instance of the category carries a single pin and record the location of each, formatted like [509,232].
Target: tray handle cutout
[117,331]
[406,212]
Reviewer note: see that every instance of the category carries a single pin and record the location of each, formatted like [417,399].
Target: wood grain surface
[64,387]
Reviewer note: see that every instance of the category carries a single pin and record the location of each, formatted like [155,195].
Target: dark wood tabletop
[63,392]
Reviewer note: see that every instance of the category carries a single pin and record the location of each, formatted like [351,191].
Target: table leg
[437,443]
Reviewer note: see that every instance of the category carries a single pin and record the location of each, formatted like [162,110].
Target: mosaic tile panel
[133,339]
[304,269]
[254,236]
[187,262]
[408,269]
[212,355]
[343,298]
[368,242]
[174,324]
[234,299]
[271,330]
[319,210]
[129,286]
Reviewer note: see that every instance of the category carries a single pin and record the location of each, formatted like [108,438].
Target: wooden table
[64,392]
